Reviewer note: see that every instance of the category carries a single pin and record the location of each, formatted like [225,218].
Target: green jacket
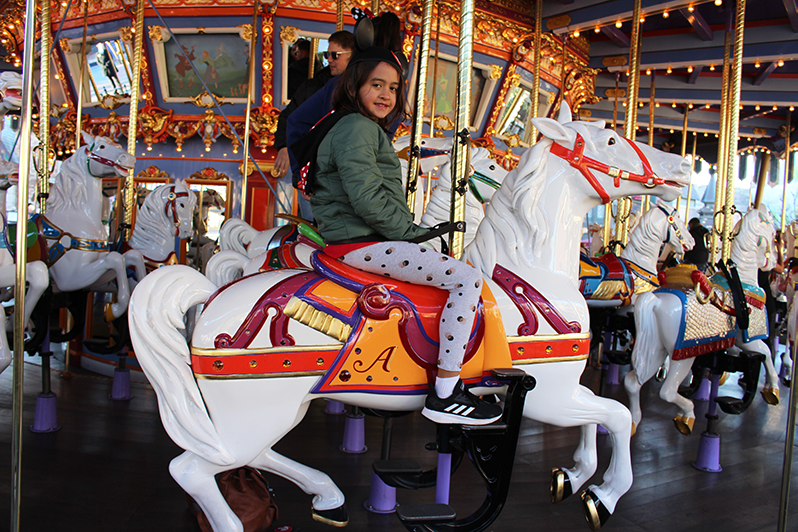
[358,187]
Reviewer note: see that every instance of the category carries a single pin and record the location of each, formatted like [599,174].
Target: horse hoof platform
[770,395]
[560,485]
[337,517]
[684,424]
[595,512]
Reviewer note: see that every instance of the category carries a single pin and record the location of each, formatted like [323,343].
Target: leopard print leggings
[415,264]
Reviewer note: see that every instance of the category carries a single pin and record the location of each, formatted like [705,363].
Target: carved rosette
[153,172]
[209,174]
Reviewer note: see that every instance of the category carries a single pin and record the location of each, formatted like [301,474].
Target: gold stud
[218,365]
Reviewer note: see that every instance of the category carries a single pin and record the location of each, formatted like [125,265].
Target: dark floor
[106,469]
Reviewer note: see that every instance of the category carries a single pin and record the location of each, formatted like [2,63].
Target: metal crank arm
[492,450]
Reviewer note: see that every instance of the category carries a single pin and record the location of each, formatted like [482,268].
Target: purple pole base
[443,478]
[708,453]
[120,389]
[612,375]
[703,391]
[601,430]
[354,434]
[382,497]
[44,420]
[335,408]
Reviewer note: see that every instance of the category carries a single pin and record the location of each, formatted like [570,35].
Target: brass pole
[786,173]
[536,74]
[684,154]
[79,120]
[375,6]
[253,39]
[605,236]
[314,49]
[562,69]
[462,138]
[764,170]
[652,103]
[692,169]
[786,471]
[734,125]
[723,128]
[434,95]
[130,197]
[114,46]
[25,133]
[630,120]
[93,84]
[43,184]
[413,161]
[339,15]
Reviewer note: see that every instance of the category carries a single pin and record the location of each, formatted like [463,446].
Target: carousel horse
[692,315]
[36,274]
[339,333]
[10,92]
[75,241]
[167,213]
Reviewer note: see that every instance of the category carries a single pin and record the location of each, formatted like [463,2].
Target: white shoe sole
[453,419]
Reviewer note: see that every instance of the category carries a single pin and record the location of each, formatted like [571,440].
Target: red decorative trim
[546,348]
[696,350]
[262,363]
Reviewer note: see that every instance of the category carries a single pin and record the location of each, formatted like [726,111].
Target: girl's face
[378,94]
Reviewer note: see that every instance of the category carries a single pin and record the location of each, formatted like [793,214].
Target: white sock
[444,386]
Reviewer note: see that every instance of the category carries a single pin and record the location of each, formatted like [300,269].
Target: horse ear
[564,115]
[596,123]
[551,129]
[87,138]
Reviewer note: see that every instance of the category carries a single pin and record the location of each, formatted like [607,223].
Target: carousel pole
[43,184]
[692,169]
[536,74]
[605,235]
[375,6]
[461,147]
[314,49]
[418,117]
[434,92]
[130,186]
[733,126]
[786,471]
[684,154]
[786,174]
[79,119]
[720,183]
[651,105]
[253,38]
[21,259]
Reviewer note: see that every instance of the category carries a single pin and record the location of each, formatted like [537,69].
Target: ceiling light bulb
[665,14]
[618,24]
[671,131]
[712,68]
[706,134]
[716,135]
[707,105]
[757,64]
[690,69]
[775,107]
[792,108]
[669,70]
[781,62]
[597,29]
[690,8]
[642,19]
[641,104]
[718,2]
[673,105]
[690,106]
[757,108]
[656,104]
[648,72]
[576,33]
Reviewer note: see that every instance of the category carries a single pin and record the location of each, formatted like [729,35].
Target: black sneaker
[460,408]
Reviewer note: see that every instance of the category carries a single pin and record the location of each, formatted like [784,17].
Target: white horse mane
[744,249]
[69,191]
[647,234]
[151,220]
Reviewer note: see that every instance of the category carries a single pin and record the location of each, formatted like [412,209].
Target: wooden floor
[106,469]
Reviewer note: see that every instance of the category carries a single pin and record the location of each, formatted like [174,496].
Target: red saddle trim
[217,364]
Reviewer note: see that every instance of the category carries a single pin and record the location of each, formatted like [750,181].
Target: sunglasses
[333,55]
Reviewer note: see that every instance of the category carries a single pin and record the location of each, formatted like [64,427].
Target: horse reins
[671,224]
[91,156]
[584,164]
[170,202]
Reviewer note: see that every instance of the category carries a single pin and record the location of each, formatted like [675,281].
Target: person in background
[341,45]
[699,255]
[361,212]
[299,66]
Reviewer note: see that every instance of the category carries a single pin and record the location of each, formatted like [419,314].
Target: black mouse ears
[364,28]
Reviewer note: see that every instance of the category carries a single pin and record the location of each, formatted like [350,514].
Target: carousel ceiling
[682,48]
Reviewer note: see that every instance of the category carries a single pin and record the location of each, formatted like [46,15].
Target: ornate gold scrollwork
[288,34]
[156,33]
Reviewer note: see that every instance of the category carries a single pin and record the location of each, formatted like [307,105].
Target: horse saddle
[62,241]
[36,246]
[607,277]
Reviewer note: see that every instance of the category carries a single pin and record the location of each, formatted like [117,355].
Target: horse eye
[102,147]
[492,167]
[611,141]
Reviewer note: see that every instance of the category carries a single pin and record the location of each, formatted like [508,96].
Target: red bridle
[170,202]
[577,159]
[91,156]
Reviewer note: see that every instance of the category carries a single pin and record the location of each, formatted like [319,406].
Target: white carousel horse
[35,273]
[10,92]
[77,240]
[674,326]
[530,232]
[167,213]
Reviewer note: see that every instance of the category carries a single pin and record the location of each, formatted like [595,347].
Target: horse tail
[225,267]
[236,234]
[157,310]
[647,340]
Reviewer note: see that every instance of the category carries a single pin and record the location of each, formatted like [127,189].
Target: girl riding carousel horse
[361,212]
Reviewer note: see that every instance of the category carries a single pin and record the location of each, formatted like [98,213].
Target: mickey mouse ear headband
[364,28]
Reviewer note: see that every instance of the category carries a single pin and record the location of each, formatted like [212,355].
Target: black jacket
[305,91]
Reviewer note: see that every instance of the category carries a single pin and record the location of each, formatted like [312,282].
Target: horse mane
[746,239]
[151,221]
[69,191]
[646,235]
[516,209]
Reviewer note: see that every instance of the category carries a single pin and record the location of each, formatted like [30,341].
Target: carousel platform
[106,469]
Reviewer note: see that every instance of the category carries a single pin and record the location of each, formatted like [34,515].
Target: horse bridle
[584,164]
[671,217]
[170,202]
[91,156]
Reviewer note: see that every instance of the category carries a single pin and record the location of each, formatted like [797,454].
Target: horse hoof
[634,429]
[595,512]
[337,517]
[723,378]
[786,381]
[109,313]
[661,375]
[560,485]
[770,395]
[684,424]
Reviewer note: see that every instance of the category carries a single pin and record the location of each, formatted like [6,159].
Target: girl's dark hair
[346,95]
